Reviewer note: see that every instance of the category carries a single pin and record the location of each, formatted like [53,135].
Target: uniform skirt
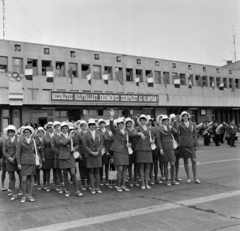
[48,164]
[3,163]
[94,162]
[120,159]
[82,163]
[67,163]
[144,157]
[11,167]
[105,159]
[188,152]
[28,170]
[178,152]
[132,158]
[155,155]
[168,156]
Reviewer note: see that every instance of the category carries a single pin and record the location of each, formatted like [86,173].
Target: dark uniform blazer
[65,147]
[55,146]
[82,150]
[47,151]
[120,140]
[10,148]
[164,138]
[108,140]
[188,135]
[91,145]
[26,152]
[143,145]
[133,138]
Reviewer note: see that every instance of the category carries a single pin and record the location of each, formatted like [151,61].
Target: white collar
[144,127]
[65,135]
[122,131]
[28,139]
[12,138]
[103,129]
[165,127]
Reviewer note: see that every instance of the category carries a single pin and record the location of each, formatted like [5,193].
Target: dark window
[96,56]
[189,67]
[60,69]
[166,78]
[45,64]
[230,72]
[205,81]
[174,65]
[182,79]
[46,51]
[100,112]
[118,59]
[147,73]
[74,67]
[140,74]
[230,82]
[218,81]
[109,70]
[138,61]
[17,47]
[157,63]
[197,80]
[129,74]
[34,64]
[211,81]
[218,70]
[3,64]
[236,83]
[204,69]
[72,54]
[225,82]
[85,68]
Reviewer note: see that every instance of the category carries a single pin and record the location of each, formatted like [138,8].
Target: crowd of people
[119,153]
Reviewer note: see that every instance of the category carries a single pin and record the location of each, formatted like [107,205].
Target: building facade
[71,98]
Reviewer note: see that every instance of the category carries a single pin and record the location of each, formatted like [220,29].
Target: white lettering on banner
[125,98]
[109,98]
[62,96]
[149,98]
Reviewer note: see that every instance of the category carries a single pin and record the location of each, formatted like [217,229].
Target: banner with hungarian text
[102,97]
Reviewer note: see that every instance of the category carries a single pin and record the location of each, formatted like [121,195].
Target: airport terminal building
[86,84]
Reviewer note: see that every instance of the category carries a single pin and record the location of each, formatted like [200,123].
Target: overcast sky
[198,31]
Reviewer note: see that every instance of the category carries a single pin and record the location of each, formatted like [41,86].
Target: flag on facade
[49,71]
[165,79]
[105,76]
[150,79]
[89,76]
[70,73]
[176,81]
[119,75]
[213,85]
[137,80]
[221,86]
[29,72]
[190,84]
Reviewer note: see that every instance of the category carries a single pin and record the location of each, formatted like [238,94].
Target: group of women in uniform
[115,145]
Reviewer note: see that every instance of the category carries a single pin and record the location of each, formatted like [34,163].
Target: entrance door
[42,121]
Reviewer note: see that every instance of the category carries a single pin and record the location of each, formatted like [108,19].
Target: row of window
[72,54]
[160,76]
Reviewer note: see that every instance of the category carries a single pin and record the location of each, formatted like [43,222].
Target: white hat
[164,117]
[10,127]
[120,120]
[56,123]
[40,129]
[149,117]
[185,113]
[48,124]
[91,121]
[172,116]
[77,124]
[70,126]
[82,122]
[27,128]
[63,124]
[129,120]
[101,121]
[159,117]
[20,129]
[142,116]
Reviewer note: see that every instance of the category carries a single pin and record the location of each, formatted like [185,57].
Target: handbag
[175,143]
[130,151]
[37,161]
[153,145]
[76,154]
[112,174]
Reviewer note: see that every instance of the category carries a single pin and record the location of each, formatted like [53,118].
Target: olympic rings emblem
[14,76]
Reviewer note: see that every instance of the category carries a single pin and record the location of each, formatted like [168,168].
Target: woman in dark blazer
[164,136]
[47,153]
[9,151]
[82,161]
[120,151]
[188,144]
[66,158]
[93,144]
[108,140]
[143,150]
[26,160]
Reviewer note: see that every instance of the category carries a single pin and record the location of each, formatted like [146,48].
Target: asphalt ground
[212,205]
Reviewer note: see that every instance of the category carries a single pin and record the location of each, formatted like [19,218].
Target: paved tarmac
[213,205]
